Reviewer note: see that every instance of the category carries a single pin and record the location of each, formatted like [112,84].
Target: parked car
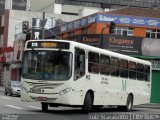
[13,88]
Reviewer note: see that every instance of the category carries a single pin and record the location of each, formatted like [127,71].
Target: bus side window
[132,70]
[140,72]
[114,66]
[79,66]
[147,73]
[104,65]
[123,65]
[93,62]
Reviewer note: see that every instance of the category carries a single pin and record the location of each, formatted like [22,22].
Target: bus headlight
[64,91]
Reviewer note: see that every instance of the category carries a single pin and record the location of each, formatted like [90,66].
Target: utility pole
[111,30]
[43,26]
[101,36]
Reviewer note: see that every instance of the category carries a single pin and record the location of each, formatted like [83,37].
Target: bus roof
[102,51]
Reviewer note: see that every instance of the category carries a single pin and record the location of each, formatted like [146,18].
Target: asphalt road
[11,108]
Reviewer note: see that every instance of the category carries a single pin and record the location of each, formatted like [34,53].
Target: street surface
[11,108]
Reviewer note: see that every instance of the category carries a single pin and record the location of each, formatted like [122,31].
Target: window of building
[89,3]
[152,33]
[126,31]
[18,5]
[114,3]
[69,13]
[2,30]
[85,30]
[93,62]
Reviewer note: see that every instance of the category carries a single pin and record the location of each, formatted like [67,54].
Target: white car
[13,88]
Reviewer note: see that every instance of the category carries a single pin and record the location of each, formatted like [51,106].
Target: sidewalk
[150,105]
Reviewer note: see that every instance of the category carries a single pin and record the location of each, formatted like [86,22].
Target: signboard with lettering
[151,47]
[123,44]
[9,57]
[129,20]
[129,45]
[90,39]
[48,44]
[132,45]
[36,34]
[78,23]
[18,47]
[118,19]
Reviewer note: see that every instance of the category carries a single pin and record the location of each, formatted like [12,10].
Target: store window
[151,33]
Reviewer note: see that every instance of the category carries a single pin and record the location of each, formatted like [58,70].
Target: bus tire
[44,106]
[129,104]
[88,103]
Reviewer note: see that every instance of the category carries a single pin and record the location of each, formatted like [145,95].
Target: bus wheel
[128,106]
[88,103]
[129,103]
[44,106]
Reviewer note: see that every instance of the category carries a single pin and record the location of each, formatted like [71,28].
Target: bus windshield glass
[47,65]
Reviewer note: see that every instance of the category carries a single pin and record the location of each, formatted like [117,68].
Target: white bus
[66,73]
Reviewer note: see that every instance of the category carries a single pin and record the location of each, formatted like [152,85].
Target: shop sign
[78,23]
[129,20]
[123,44]
[18,47]
[132,45]
[151,47]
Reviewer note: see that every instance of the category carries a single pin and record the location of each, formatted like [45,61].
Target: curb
[152,106]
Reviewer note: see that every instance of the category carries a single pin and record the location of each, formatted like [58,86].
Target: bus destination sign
[48,44]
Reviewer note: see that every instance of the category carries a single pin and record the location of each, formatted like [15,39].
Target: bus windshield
[47,65]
